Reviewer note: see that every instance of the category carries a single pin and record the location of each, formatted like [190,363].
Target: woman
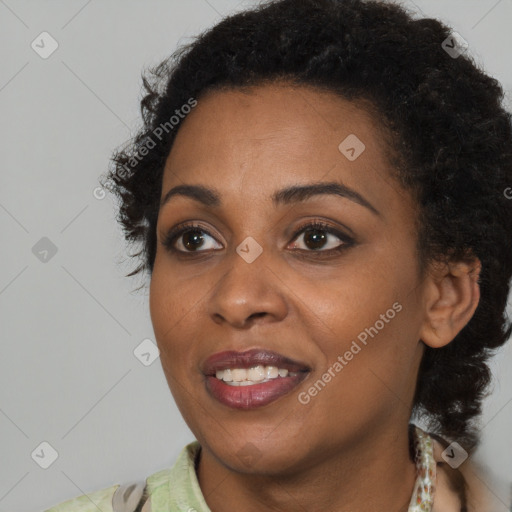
[318,191]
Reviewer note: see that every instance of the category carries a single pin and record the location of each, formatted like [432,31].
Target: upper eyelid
[188,225]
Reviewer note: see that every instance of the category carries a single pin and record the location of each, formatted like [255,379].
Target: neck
[375,474]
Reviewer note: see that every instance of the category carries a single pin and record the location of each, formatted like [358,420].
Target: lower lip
[255,395]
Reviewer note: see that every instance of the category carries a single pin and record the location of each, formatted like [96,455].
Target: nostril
[256,315]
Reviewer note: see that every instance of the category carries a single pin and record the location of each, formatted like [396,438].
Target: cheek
[370,316]
[355,297]
[172,309]
[171,306]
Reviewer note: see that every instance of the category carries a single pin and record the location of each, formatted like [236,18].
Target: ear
[452,293]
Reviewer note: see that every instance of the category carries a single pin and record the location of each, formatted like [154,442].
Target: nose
[248,293]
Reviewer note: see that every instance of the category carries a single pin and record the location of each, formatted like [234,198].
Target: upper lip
[250,358]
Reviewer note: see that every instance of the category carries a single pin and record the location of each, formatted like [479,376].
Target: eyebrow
[288,195]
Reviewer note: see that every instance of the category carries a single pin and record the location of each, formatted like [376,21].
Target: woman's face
[345,305]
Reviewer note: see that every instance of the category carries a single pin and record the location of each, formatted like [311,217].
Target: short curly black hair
[449,140]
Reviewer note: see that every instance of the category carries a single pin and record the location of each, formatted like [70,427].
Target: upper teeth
[258,373]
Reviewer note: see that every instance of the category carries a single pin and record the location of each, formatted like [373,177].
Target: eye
[316,238]
[190,239]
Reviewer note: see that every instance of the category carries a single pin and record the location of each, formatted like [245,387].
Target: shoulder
[464,487]
[117,498]
[134,496]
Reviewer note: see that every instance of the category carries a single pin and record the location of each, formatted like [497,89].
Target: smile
[251,379]
[251,376]
[250,395]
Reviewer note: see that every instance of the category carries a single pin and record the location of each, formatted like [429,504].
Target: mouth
[251,379]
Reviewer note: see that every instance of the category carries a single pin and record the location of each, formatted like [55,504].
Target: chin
[253,456]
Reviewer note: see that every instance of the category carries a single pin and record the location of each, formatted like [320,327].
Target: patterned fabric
[177,489]
[423,495]
[127,497]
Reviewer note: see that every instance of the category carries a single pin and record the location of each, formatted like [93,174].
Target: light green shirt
[177,489]
[174,489]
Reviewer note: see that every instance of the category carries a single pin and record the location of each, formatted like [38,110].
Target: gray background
[69,325]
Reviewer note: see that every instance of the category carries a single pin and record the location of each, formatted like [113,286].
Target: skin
[333,453]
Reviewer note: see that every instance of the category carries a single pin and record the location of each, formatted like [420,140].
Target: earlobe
[452,296]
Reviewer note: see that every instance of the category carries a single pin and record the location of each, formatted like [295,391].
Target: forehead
[248,143]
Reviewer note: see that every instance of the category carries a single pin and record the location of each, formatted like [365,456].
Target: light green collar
[177,488]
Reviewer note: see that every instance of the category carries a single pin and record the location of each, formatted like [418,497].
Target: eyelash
[175,233]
